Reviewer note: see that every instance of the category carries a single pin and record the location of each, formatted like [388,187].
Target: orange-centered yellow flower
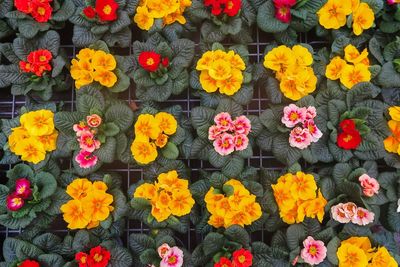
[333,14]
[363,18]
[352,75]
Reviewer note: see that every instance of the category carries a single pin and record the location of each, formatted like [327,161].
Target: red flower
[349,140]
[223,262]
[232,7]
[149,60]
[242,258]
[82,259]
[41,10]
[29,263]
[165,62]
[25,66]
[14,202]
[106,10]
[40,56]
[282,13]
[347,125]
[40,69]
[98,257]
[23,6]
[289,3]
[89,12]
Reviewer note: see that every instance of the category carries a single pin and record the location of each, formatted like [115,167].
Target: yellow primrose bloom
[363,18]
[394,113]
[361,242]
[38,123]
[207,82]
[49,141]
[85,54]
[79,188]
[351,256]
[103,60]
[98,202]
[220,70]
[163,200]
[216,221]
[289,216]
[232,84]
[312,208]
[279,58]
[143,19]
[304,186]
[147,126]
[30,150]
[105,77]
[99,185]
[161,140]
[160,214]
[383,258]
[353,75]
[392,142]
[352,55]
[283,196]
[240,217]
[235,61]
[147,191]
[166,122]
[334,68]
[75,69]
[143,152]
[177,16]
[86,77]
[253,210]
[333,14]
[159,9]
[84,64]
[75,215]
[204,63]
[298,82]
[182,203]
[17,135]
[303,56]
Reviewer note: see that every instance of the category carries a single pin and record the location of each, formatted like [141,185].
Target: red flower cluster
[150,61]
[241,258]
[39,9]
[228,7]
[22,191]
[282,9]
[106,10]
[349,137]
[29,263]
[38,62]
[98,257]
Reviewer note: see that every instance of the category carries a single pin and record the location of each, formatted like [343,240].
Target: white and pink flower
[241,141]
[173,258]
[292,115]
[213,132]
[363,217]
[315,133]
[88,142]
[93,120]
[338,214]
[163,250]
[242,125]
[300,138]
[224,144]
[224,121]
[311,113]
[86,159]
[314,251]
[80,128]
[349,212]
[369,185]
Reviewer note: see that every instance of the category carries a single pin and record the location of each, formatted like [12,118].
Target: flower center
[107,9]
[333,11]
[229,5]
[172,260]
[293,116]
[312,250]
[361,214]
[41,11]
[42,58]
[97,257]
[283,11]
[21,190]
[89,141]
[83,260]
[242,258]
[150,61]
[17,201]
[348,138]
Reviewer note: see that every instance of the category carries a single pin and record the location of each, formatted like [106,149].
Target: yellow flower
[38,123]
[163,200]
[17,135]
[159,9]
[166,122]
[312,208]
[235,61]
[102,60]
[303,187]
[160,214]
[170,181]
[222,207]
[303,56]
[279,59]
[394,113]
[75,215]
[383,258]
[30,150]
[361,242]
[143,19]
[363,18]
[147,126]
[211,199]
[351,256]
[182,203]
[240,217]
[335,68]
[283,196]
[298,82]
[216,221]
[173,17]
[99,185]
[105,77]
[204,63]
[143,152]
[75,69]
[79,188]
[147,191]
[98,203]
[220,70]
[353,75]
[86,77]
[85,54]
[207,82]
[161,140]
[49,141]
[352,55]
[289,216]
[253,210]
[231,85]
[391,143]
[354,4]
[333,14]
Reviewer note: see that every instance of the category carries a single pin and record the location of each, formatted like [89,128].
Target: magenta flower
[224,145]
[86,159]
[314,251]
[224,121]
[392,2]
[241,141]
[80,128]
[14,202]
[173,258]
[88,142]
[292,115]
[23,188]
[369,185]
[242,125]
[300,138]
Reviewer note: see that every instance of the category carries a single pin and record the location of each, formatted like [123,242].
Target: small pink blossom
[349,209]
[80,128]
[242,125]
[224,144]
[338,214]
[292,115]
[369,185]
[88,142]
[363,217]
[311,113]
[163,249]
[392,2]
[315,133]
[23,188]
[93,120]
[295,260]
[213,132]
[224,121]
[241,141]
[173,258]
[300,138]
[282,13]
[314,251]
[14,202]
[86,159]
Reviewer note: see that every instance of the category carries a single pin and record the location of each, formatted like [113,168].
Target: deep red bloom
[25,66]
[98,257]
[89,12]
[41,10]
[223,262]
[232,7]
[14,202]
[165,62]
[288,3]
[349,140]
[347,125]
[23,188]
[106,10]
[242,258]
[40,56]
[40,69]
[82,259]
[282,13]
[23,6]
[29,263]
[149,60]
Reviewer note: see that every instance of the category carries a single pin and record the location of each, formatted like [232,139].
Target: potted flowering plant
[29,17]
[95,133]
[96,67]
[36,67]
[29,198]
[223,73]
[160,69]
[224,136]
[107,20]
[222,19]
[159,250]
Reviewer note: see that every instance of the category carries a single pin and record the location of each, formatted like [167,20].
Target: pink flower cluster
[369,185]
[314,251]
[23,191]
[229,135]
[171,256]
[301,136]
[349,212]
[85,132]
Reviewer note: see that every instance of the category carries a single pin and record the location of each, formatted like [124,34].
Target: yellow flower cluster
[293,69]
[93,65]
[168,196]
[152,132]
[240,208]
[35,136]
[221,71]
[168,10]
[351,70]
[90,204]
[297,198]
[357,251]
[392,142]
[333,15]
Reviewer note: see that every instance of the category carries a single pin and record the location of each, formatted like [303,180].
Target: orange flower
[98,203]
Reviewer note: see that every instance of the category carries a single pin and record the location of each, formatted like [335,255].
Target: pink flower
[86,159]
[300,138]
[293,115]
[363,217]
[163,249]
[224,121]
[311,113]
[224,144]
[314,251]
[295,260]
[23,188]
[288,3]
[93,120]
[173,258]
[338,214]
[392,2]
[370,185]
[349,209]
[315,133]
[213,132]
[242,125]
[282,13]
[88,143]
[80,128]
[241,142]
[14,202]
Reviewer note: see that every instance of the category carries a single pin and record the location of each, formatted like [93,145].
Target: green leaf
[238,234]
[82,37]
[47,184]
[106,152]
[65,12]
[201,116]
[283,151]
[64,121]
[233,167]
[85,103]
[123,21]
[121,115]
[183,50]
[19,248]
[123,82]
[213,243]
[120,257]
[170,151]
[216,159]
[140,242]
[110,129]
[332,248]
[10,74]
[50,260]
[140,203]
[295,234]
[388,77]
[266,20]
